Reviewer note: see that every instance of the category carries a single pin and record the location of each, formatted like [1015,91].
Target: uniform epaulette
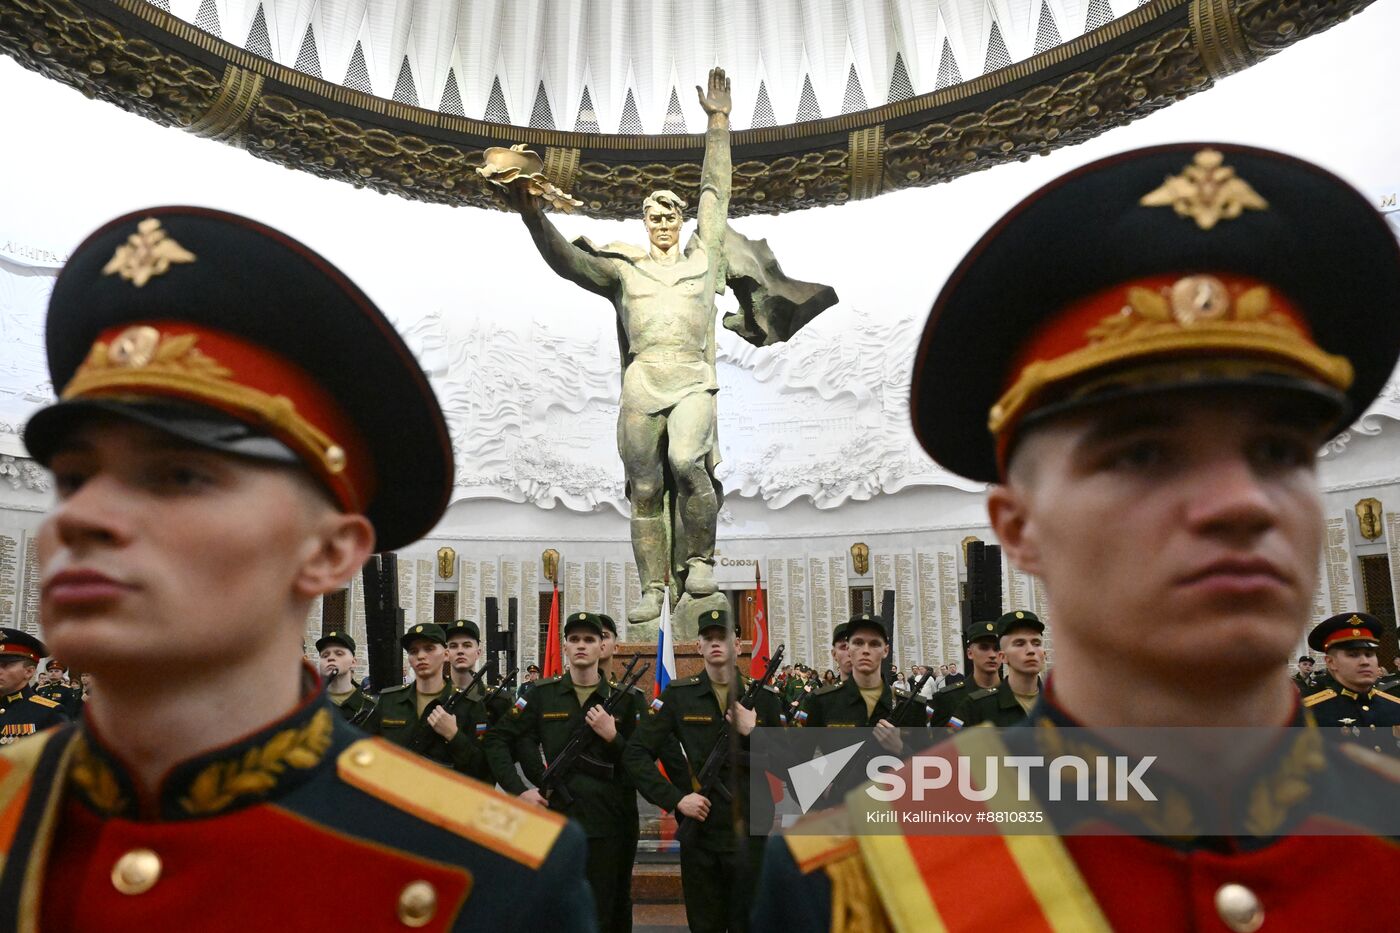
[1383,694]
[549,680]
[17,763]
[43,701]
[395,689]
[823,838]
[829,688]
[519,831]
[690,681]
[951,687]
[982,692]
[1383,765]
[1320,696]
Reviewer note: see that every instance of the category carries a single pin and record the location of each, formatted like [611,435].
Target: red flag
[553,664]
[758,665]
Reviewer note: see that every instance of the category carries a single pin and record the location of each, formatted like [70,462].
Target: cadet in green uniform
[1351,701]
[841,651]
[602,801]
[1306,679]
[463,656]
[721,864]
[337,656]
[413,715]
[983,659]
[22,710]
[1020,639]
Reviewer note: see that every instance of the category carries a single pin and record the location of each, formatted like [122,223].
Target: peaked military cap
[336,638]
[1184,266]
[594,620]
[429,630]
[981,630]
[17,644]
[868,621]
[840,632]
[1347,630]
[465,627]
[1018,618]
[717,618]
[228,334]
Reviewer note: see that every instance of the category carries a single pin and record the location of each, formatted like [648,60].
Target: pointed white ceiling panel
[650,47]
[338,24]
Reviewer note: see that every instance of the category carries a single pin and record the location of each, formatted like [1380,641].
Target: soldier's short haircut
[666,200]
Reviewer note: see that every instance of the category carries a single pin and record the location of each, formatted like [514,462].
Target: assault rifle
[710,776]
[573,754]
[905,703]
[497,690]
[425,736]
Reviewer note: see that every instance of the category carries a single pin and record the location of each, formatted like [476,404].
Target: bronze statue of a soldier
[665,300]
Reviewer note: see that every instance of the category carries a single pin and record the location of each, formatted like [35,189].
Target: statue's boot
[649,549]
[700,514]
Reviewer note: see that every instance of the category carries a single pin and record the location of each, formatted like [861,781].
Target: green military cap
[1018,618]
[463,627]
[227,334]
[337,638]
[717,618]
[868,621]
[429,630]
[981,630]
[17,644]
[840,632]
[1207,272]
[594,620]
[1347,630]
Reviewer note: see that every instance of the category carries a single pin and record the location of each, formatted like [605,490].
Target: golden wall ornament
[550,560]
[447,562]
[1369,518]
[860,558]
[133,54]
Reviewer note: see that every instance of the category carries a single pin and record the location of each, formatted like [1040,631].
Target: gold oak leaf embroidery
[1208,191]
[147,253]
[221,783]
[97,782]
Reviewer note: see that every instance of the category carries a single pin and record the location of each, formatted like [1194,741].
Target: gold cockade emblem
[147,253]
[1208,191]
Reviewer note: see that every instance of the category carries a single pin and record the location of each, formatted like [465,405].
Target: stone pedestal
[688,660]
[685,619]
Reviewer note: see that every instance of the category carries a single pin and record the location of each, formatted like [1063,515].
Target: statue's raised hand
[520,199]
[715,99]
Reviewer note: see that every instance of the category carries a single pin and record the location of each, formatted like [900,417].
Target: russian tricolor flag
[665,647]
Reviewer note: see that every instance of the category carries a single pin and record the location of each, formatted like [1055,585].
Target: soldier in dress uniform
[1143,359]
[217,467]
[336,651]
[601,798]
[23,710]
[720,864]
[69,697]
[1350,700]
[984,656]
[1305,679]
[1021,647]
[426,716]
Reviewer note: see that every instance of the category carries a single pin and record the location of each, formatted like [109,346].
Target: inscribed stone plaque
[906,621]
[779,631]
[819,605]
[799,619]
[935,652]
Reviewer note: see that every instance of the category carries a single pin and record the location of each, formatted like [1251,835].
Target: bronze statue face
[663,225]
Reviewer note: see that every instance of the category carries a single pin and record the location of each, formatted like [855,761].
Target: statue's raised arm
[712,212]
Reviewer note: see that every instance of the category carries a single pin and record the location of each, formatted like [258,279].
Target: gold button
[1239,908]
[136,872]
[335,458]
[417,904]
[363,758]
